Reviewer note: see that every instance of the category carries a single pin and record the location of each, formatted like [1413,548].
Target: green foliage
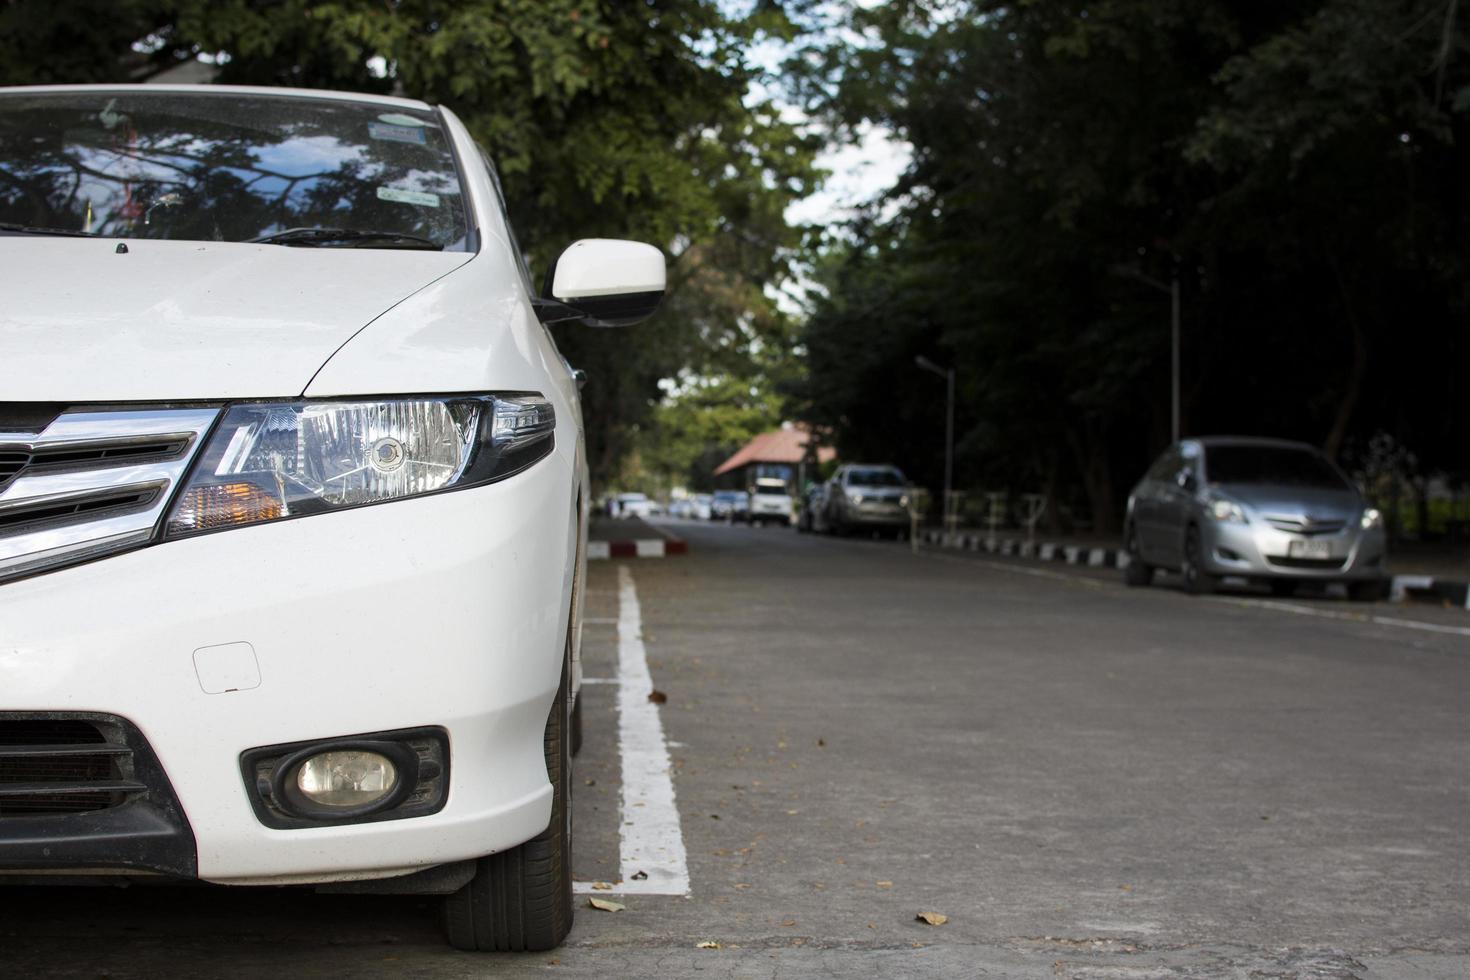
[606,119]
[1297,165]
[698,428]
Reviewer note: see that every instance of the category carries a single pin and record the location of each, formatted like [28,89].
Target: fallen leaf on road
[821,743]
[707,945]
[606,905]
[884,884]
[602,886]
[792,813]
[640,876]
[933,918]
[658,697]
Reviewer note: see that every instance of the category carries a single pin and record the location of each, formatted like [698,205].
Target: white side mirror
[606,283]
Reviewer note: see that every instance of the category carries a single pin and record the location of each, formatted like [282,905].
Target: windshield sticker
[408,197]
[401,119]
[396,134]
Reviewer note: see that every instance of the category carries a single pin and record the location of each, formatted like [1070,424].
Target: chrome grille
[1305,524]
[90,483]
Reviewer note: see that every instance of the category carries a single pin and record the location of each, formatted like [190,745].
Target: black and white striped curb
[1452,592]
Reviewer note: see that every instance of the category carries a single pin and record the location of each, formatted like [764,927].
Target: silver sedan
[1271,511]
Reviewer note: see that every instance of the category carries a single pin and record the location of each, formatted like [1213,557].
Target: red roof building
[783,453]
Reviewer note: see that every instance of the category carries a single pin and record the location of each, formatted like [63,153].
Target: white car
[292,501]
[634,505]
[770,502]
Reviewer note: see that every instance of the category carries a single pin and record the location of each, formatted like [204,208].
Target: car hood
[1321,503]
[175,321]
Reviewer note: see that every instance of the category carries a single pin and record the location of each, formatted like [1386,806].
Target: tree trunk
[1092,462]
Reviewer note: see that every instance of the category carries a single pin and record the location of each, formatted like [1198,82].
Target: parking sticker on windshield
[408,197]
[396,134]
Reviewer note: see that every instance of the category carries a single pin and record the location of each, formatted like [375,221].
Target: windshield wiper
[350,236]
[20,229]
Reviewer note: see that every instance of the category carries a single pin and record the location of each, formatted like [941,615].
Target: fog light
[346,779]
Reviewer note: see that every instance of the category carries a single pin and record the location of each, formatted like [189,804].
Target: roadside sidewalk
[631,537]
[1415,576]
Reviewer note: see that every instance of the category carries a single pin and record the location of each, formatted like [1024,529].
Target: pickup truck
[293,502]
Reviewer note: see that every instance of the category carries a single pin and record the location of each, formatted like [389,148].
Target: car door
[1175,504]
[1148,506]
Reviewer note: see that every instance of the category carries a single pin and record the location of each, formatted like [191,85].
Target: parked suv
[770,502]
[1275,512]
[292,501]
[863,497]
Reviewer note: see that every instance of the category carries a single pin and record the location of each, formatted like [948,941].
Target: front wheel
[521,900]
[1197,581]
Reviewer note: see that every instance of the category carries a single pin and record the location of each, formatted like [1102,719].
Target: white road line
[1408,624]
[652,844]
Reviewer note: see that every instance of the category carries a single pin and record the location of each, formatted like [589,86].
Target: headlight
[903,501]
[1227,511]
[1372,517]
[267,462]
[855,498]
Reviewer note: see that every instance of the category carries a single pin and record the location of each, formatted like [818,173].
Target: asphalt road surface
[1088,781]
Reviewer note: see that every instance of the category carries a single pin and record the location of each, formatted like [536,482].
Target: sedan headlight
[272,461]
[1227,511]
[1372,517]
[854,498]
[903,501]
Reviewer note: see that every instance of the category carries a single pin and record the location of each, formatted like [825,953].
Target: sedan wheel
[1197,581]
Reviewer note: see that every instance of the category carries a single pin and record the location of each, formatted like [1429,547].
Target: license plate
[1309,549]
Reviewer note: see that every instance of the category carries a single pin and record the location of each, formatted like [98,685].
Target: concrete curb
[1403,587]
[636,548]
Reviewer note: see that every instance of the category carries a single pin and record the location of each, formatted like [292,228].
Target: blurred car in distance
[812,518]
[865,497]
[700,506]
[770,502]
[729,505]
[1275,512]
[632,505]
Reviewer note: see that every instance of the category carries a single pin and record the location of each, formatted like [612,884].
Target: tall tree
[606,119]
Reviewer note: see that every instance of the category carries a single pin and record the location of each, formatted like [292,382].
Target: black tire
[1138,573]
[1370,591]
[1197,581]
[1281,588]
[521,900]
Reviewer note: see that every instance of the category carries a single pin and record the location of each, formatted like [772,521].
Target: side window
[1166,466]
[515,246]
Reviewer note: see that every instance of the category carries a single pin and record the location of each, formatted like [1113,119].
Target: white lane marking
[652,837]
[1409,624]
[600,680]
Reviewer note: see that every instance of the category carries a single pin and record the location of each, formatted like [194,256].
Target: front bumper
[1258,550]
[447,611]
[876,514]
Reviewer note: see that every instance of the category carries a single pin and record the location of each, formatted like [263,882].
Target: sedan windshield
[875,478]
[227,167]
[1277,465]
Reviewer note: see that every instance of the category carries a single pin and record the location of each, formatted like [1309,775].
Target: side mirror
[1186,480]
[603,282]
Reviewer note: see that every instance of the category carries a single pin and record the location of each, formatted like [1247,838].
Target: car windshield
[226,167]
[633,498]
[875,478]
[771,491]
[1279,465]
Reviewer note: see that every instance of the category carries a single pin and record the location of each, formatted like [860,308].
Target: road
[1089,781]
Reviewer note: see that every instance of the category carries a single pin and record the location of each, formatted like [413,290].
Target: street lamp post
[948,375]
[1172,288]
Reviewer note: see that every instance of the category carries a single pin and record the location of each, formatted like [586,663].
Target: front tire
[1197,581]
[521,900]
